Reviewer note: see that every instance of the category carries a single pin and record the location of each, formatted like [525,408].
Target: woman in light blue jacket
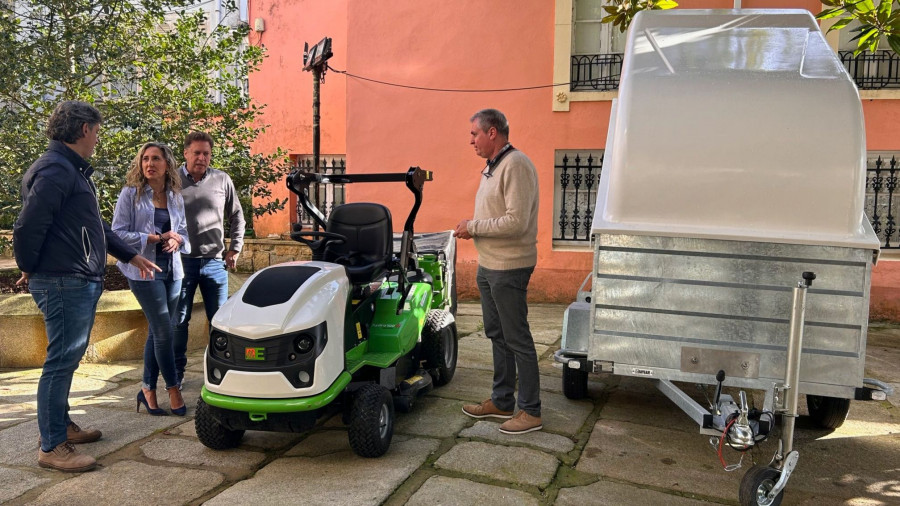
[150,217]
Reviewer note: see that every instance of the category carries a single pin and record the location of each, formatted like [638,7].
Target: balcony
[873,71]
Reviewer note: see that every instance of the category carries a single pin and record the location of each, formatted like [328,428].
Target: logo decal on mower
[254,354]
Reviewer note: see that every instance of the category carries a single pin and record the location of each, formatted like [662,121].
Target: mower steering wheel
[318,246]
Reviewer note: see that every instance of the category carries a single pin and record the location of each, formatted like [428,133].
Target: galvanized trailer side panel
[681,308]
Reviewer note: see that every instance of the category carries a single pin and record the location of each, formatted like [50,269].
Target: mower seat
[370,240]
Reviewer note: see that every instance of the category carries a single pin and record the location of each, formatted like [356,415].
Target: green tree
[876,21]
[621,12]
[153,68]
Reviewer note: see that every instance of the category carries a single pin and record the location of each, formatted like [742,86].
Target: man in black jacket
[60,243]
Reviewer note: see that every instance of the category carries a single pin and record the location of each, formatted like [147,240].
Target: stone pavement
[626,444]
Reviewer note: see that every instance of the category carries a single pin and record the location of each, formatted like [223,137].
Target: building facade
[416,71]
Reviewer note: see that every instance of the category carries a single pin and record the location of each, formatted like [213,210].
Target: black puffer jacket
[59,231]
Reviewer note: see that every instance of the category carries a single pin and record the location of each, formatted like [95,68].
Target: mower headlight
[220,342]
[303,343]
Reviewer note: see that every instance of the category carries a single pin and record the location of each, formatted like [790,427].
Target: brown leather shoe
[77,435]
[485,409]
[66,458]
[521,423]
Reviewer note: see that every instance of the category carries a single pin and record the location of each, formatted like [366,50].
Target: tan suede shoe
[66,458]
[77,435]
[485,409]
[521,423]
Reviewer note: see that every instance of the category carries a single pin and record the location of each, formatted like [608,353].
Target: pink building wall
[465,44]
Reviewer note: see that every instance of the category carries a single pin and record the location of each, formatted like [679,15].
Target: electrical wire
[726,467]
[444,90]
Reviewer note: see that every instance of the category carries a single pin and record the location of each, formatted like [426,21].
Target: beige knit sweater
[504,226]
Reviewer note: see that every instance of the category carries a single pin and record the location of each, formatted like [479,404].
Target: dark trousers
[504,308]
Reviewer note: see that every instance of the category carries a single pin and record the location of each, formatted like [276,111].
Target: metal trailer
[733,177]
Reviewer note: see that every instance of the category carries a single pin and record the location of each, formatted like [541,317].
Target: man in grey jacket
[209,198]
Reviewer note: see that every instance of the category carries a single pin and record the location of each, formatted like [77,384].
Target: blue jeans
[212,278]
[159,300]
[69,305]
[504,307]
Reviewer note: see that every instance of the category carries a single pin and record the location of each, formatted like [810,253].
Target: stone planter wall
[119,333]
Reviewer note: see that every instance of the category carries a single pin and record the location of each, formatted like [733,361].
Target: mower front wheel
[371,421]
[213,434]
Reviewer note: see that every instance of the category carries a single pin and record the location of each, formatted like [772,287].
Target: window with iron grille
[882,202]
[324,196]
[576,178]
[596,48]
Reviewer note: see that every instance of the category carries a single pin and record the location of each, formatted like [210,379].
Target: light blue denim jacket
[133,222]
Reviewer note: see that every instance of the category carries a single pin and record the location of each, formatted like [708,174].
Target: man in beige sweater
[504,229]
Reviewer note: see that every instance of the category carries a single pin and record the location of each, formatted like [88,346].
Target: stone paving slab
[651,408]
[130,482]
[323,443]
[21,385]
[252,438]
[16,483]
[562,415]
[340,478]
[120,371]
[18,444]
[657,457]
[432,417]
[500,463]
[444,491]
[470,385]
[16,413]
[608,493]
[539,439]
[193,453]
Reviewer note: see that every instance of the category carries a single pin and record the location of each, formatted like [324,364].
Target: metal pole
[792,370]
[317,77]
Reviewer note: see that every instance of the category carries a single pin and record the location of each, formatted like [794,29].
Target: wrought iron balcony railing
[873,71]
[595,72]
[881,207]
[324,196]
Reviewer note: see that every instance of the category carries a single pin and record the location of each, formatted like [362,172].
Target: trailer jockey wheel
[755,487]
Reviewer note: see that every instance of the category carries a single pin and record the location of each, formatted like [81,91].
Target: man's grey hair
[65,124]
[488,118]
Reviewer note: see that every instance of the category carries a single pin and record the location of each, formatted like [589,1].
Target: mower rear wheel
[575,383]
[371,421]
[827,412]
[439,346]
[213,434]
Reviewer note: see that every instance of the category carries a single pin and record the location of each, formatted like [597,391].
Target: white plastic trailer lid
[735,124]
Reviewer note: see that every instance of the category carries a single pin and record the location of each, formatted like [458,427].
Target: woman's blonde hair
[135,176]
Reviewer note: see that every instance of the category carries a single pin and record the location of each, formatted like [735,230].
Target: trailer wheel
[213,434]
[439,346]
[371,421]
[574,383]
[756,484]
[828,412]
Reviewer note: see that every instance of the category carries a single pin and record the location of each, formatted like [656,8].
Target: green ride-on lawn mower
[364,328]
